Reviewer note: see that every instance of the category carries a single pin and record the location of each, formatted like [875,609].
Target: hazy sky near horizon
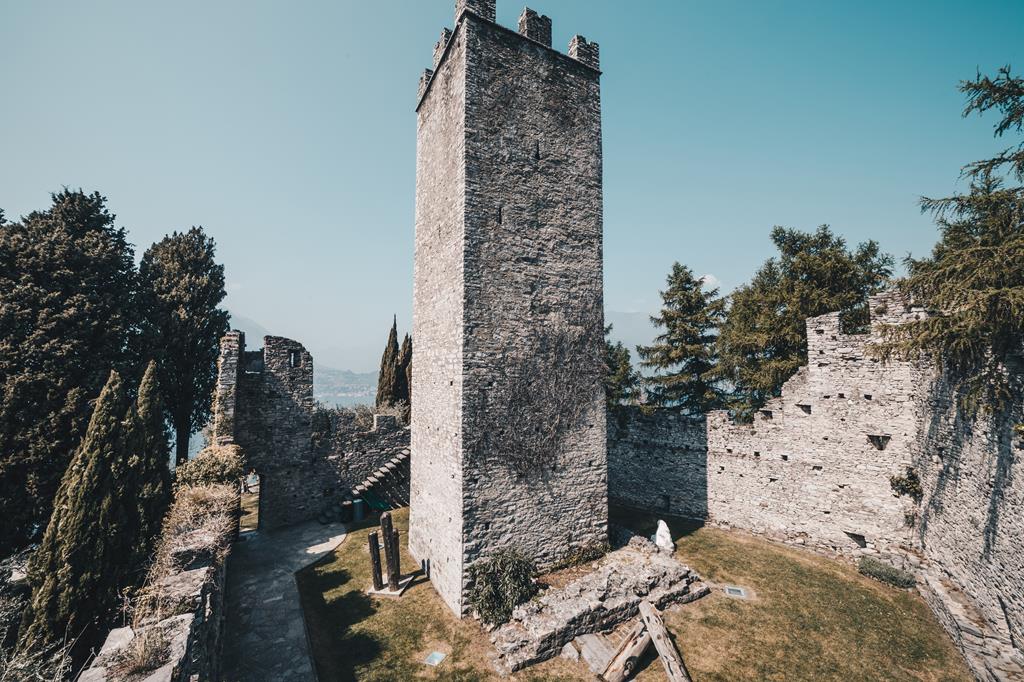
[287,130]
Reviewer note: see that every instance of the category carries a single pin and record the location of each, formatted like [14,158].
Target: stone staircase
[388,487]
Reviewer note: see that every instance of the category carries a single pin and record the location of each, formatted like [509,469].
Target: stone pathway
[265,635]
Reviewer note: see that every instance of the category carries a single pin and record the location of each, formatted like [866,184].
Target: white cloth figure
[663,538]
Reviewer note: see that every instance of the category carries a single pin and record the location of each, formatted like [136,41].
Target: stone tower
[508,422]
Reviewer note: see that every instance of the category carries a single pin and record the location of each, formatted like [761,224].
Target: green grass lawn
[810,619]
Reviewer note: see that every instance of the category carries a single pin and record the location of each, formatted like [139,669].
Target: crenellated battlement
[485,9]
[536,27]
[533,27]
[585,52]
[440,45]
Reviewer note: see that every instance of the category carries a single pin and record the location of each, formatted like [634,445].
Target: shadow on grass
[330,620]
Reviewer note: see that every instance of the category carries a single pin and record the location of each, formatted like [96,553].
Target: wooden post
[378,582]
[397,552]
[667,652]
[623,664]
[388,533]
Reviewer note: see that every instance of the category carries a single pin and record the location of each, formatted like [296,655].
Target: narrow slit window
[294,359]
[879,441]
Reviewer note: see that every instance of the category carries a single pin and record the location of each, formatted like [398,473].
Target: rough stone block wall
[509,219]
[814,468]
[435,510]
[657,461]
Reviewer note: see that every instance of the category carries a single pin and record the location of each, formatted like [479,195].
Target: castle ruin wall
[308,458]
[814,468]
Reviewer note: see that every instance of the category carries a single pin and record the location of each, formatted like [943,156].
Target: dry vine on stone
[540,396]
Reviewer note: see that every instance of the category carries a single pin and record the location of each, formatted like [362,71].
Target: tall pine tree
[388,381]
[973,280]
[621,380]
[683,355]
[80,570]
[180,286]
[67,282]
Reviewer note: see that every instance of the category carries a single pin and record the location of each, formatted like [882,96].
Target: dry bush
[147,652]
[214,465]
[199,526]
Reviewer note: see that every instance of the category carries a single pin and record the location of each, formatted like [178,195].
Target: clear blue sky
[287,130]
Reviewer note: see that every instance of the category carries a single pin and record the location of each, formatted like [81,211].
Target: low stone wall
[179,615]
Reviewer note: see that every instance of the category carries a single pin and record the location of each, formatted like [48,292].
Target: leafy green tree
[621,381]
[683,355]
[763,340]
[389,381]
[974,278]
[180,286]
[405,371]
[79,572]
[67,283]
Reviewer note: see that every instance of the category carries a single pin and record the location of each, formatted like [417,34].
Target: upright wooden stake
[378,582]
[397,553]
[388,533]
[623,664]
[670,658]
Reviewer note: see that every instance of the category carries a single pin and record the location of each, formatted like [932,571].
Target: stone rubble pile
[598,601]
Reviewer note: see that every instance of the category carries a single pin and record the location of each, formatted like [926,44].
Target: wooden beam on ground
[624,663]
[667,652]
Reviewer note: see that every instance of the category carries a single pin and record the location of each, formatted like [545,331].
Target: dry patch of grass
[356,637]
[812,619]
[250,503]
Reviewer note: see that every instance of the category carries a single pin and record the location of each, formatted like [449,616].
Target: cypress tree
[388,382]
[684,354]
[79,571]
[405,371]
[149,459]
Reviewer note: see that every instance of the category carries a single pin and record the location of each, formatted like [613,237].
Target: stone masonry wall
[435,489]
[657,461]
[509,193]
[264,403]
[814,468]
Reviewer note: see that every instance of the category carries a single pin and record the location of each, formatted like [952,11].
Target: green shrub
[500,584]
[883,572]
[214,465]
[907,484]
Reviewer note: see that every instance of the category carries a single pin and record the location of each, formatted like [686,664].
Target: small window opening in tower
[806,408]
[766,414]
[867,396]
[879,441]
[294,359]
